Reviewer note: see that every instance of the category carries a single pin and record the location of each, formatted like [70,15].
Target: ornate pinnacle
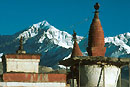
[74,35]
[96,6]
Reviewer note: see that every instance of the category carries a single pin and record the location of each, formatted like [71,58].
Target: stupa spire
[74,35]
[20,49]
[96,36]
[76,50]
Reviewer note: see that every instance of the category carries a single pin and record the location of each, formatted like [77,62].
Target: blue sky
[17,15]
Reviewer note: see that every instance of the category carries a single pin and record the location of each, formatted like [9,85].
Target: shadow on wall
[124,83]
[1,68]
[1,71]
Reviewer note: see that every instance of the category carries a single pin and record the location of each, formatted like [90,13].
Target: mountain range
[55,45]
[43,38]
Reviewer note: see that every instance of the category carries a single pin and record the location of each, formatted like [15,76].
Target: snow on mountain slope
[60,38]
[120,40]
[33,30]
[119,45]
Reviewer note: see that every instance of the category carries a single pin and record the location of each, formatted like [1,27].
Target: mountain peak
[33,30]
[47,31]
[39,24]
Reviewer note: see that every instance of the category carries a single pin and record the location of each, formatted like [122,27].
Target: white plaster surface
[22,65]
[27,84]
[90,76]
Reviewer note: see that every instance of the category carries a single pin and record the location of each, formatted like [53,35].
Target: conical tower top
[76,50]
[96,36]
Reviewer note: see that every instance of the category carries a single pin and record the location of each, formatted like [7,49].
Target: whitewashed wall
[90,76]
[22,65]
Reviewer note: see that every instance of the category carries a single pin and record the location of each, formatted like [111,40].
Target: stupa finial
[74,35]
[21,43]
[21,50]
[96,6]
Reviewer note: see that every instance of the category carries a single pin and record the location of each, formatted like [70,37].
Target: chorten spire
[96,36]
[74,35]
[76,50]
[21,50]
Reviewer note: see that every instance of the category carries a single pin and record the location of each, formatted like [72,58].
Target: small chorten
[21,50]
[96,36]
[76,50]
[75,53]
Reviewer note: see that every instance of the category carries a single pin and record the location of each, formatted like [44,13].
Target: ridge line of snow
[120,40]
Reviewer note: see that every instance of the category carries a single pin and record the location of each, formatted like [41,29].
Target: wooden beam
[87,60]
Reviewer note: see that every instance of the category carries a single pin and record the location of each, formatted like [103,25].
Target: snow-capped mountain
[60,38]
[43,38]
[55,45]
[118,46]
